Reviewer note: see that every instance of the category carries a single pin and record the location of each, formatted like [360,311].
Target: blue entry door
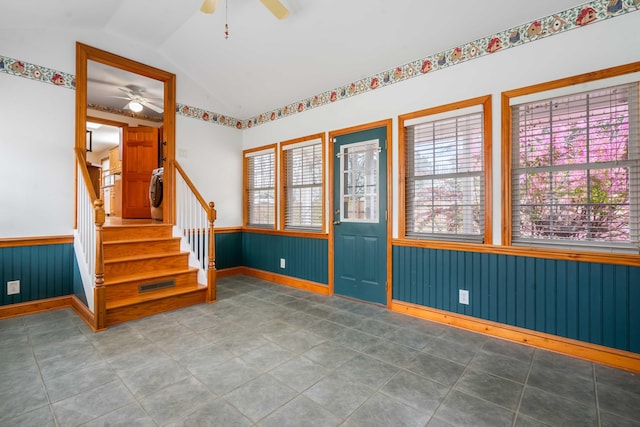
[360,215]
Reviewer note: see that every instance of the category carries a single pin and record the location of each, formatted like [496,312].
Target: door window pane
[359,182]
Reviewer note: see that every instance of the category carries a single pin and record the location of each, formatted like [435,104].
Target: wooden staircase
[145,272]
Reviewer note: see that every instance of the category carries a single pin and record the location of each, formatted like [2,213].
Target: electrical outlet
[13,287]
[282,263]
[463,296]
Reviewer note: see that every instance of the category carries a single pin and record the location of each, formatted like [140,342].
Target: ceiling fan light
[209,6]
[134,106]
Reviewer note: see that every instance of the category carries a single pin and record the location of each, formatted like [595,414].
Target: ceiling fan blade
[209,6]
[277,8]
[126,91]
[151,106]
[100,82]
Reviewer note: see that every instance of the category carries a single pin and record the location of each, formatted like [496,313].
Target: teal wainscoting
[44,271]
[78,287]
[228,250]
[305,258]
[591,302]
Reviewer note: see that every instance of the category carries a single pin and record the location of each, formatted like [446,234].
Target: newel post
[211,269]
[99,293]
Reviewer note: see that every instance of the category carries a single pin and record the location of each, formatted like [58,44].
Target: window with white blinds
[574,174]
[445,173]
[260,188]
[303,185]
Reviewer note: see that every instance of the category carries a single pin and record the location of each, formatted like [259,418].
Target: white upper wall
[36,158]
[37,119]
[597,46]
[212,157]
[37,137]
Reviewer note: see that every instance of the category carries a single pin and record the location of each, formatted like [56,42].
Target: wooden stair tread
[155,295]
[156,274]
[141,240]
[128,232]
[145,256]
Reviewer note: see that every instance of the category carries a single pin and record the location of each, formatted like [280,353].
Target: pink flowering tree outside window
[573,170]
[445,179]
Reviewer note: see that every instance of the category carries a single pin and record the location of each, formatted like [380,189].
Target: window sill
[525,251]
[441,244]
[293,233]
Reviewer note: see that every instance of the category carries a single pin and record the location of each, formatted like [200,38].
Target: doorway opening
[125,157]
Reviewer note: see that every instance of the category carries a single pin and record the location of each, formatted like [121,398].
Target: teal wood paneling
[305,258]
[228,250]
[584,317]
[44,271]
[502,291]
[78,287]
[591,302]
[632,302]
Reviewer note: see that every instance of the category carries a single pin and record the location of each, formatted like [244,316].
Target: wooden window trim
[507,226]
[288,233]
[245,186]
[485,101]
[283,182]
[525,251]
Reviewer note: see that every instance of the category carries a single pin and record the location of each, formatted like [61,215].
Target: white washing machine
[156,193]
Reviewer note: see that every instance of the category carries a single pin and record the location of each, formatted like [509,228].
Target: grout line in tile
[595,392]
[524,387]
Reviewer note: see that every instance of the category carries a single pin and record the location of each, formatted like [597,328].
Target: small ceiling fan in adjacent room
[137,100]
[274,6]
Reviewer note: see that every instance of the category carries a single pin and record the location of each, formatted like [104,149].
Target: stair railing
[194,221]
[88,240]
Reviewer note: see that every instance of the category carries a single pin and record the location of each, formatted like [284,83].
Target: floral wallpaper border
[123,113]
[208,116]
[569,19]
[579,16]
[36,72]
[39,73]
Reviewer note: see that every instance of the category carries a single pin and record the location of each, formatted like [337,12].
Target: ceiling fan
[274,6]
[136,99]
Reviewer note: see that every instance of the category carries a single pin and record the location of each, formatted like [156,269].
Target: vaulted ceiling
[267,63]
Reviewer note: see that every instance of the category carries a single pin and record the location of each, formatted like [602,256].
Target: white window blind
[575,170]
[303,185]
[261,188]
[445,178]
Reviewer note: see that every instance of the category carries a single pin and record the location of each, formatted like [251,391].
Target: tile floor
[270,355]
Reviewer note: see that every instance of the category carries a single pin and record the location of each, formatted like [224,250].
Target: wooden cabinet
[116,198]
[115,163]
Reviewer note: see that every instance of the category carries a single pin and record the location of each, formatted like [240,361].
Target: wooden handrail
[82,164]
[210,210]
[204,204]
[99,292]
